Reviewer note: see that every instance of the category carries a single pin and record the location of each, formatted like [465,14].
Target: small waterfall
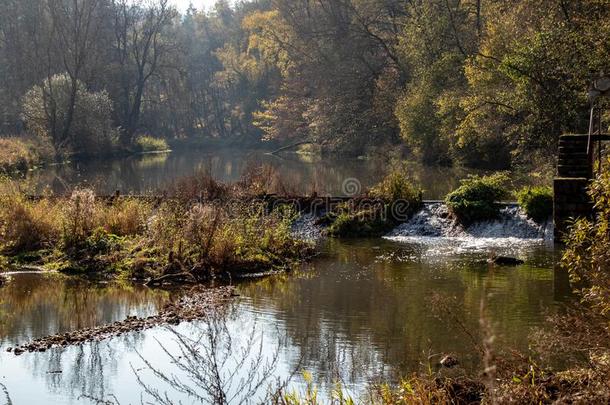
[434,223]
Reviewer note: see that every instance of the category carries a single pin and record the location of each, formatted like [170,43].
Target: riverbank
[18,154]
[205,231]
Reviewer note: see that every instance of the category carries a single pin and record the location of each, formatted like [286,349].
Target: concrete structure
[574,173]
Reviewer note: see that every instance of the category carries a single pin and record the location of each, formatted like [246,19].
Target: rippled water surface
[359,312]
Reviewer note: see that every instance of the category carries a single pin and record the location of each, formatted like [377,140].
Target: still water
[302,174]
[358,313]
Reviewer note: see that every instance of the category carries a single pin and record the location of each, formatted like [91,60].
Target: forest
[465,82]
[305,202]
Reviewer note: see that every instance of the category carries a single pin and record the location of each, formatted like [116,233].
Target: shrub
[244,237]
[200,185]
[80,217]
[476,198]
[587,256]
[126,217]
[147,143]
[45,107]
[537,202]
[397,186]
[263,179]
[390,202]
[208,238]
[363,223]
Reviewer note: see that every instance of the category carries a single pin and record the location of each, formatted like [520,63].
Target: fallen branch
[179,276]
[283,148]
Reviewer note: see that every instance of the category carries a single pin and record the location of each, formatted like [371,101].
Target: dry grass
[27,225]
[200,238]
[126,217]
[18,153]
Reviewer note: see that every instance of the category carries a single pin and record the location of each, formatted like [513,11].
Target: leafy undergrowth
[394,200]
[176,238]
[537,202]
[477,197]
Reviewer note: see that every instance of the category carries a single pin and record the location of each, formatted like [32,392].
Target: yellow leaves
[237,65]
[259,20]
[270,36]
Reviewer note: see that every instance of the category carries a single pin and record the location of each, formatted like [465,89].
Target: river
[303,174]
[360,312]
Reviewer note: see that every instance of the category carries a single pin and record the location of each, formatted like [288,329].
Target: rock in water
[506,261]
[449,361]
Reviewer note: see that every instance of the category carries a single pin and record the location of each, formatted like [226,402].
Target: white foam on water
[434,227]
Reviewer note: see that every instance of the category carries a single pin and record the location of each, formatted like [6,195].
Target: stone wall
[574,172]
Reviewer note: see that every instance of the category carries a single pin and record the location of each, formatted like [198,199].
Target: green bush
[396,199]
[476,198]
[587,254]
[365,223]
[537,202]
[146,143]
[396,186]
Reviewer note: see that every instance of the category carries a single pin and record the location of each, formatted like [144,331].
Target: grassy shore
[181,238]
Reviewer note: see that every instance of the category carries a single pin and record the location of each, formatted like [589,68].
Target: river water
[143,174]
[362,311]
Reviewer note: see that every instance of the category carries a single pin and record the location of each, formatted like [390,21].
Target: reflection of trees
[5,394]
[83,370]
[148,173]
[37,305]
[216,366]
[362,312]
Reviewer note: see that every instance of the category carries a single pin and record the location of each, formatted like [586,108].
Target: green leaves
[537,202]
[476,198]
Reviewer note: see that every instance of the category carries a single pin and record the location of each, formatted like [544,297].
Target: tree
[90,130]
[139,51]
[75,25]
[335,59]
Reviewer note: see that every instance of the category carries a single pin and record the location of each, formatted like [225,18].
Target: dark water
[358,313]
[301,174]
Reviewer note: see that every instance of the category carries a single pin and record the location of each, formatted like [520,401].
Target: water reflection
[36,305]
[359,312]
[304,174]
[369,302]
